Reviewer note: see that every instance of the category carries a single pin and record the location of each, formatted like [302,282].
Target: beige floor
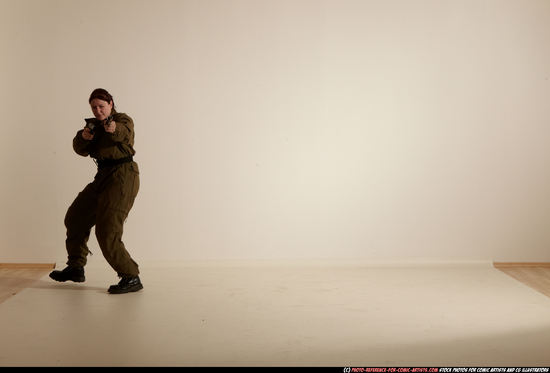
[215,314]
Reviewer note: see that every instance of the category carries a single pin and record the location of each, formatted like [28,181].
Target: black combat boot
[75,274]
[126,285]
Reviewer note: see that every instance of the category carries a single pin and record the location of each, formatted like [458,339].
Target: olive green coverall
[107,200]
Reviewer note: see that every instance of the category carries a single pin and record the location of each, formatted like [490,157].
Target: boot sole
[74,279]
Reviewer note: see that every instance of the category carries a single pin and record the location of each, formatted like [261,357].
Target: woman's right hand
[87,134]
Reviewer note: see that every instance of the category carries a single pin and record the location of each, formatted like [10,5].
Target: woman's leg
[79,220]
[114,204]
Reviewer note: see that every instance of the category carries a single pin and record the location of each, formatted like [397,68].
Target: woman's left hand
[110,127]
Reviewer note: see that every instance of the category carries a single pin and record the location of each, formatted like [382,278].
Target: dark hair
[101,94]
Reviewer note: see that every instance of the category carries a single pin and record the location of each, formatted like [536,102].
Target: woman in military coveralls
[107,200]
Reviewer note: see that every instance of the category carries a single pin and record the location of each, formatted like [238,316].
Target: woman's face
[101,109]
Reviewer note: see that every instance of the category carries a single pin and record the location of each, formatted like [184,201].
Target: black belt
[103,163]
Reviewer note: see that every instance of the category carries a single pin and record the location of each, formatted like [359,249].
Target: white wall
[266,129]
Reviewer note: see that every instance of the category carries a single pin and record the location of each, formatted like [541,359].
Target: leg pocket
[120,192]
[130,188]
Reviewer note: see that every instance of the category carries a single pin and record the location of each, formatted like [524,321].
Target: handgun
[91,123]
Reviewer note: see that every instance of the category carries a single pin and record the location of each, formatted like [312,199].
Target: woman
[108,139]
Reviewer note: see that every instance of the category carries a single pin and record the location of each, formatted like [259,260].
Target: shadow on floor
[51,284]
[521,348]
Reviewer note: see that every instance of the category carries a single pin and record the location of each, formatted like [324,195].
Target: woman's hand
[110,127]
[87,134]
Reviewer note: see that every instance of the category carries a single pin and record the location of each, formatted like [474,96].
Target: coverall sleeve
[124,130]
[80,145]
